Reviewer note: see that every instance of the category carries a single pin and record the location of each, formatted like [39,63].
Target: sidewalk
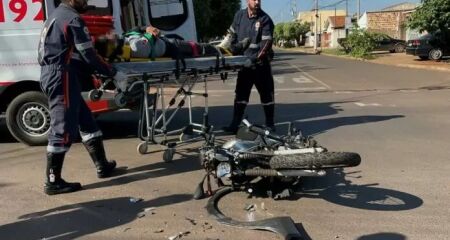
[393,59]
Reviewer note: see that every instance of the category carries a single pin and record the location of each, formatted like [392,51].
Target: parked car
[428,46]
[387,43]
[384,43]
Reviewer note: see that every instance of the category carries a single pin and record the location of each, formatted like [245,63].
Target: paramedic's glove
[121,80]
[245,43]
[240,47]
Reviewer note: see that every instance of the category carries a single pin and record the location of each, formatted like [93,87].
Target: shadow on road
[5,136]
[124,124]
[337,189]
[383,236]
[187,163]
[81,219]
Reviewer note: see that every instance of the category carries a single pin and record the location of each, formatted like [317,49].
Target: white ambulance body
[27,115]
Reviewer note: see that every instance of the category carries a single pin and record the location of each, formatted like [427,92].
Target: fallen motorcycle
[257,154]
[260,159]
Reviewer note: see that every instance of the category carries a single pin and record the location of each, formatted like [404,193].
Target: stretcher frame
[155,114]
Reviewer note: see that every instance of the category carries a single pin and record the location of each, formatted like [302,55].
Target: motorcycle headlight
[223,170]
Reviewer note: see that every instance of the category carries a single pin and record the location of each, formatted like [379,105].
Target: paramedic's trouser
[261,77]
[68,111]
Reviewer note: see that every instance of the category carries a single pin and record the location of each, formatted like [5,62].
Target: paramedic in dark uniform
[65,53]
[252,36]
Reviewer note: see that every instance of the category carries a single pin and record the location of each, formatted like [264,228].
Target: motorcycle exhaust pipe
[283,173]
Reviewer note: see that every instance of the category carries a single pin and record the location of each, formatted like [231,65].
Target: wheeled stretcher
[148,82]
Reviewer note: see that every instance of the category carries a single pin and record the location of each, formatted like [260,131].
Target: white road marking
[409,91]
[302,79]
[368,104]
[343,92]
[305,89]
[310,76]
[279,80]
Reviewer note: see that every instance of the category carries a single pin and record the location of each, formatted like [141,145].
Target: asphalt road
[398,119]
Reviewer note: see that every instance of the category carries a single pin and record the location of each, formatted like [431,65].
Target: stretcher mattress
[203,64]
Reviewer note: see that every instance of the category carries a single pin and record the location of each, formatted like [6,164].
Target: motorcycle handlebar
[261,131]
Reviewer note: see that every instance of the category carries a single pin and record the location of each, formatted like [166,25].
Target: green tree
[301,29]
[432,16]
[214,17]
[360,43]
[278,32]
[289,31]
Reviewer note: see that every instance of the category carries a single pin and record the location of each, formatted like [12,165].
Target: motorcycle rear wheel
[309,161]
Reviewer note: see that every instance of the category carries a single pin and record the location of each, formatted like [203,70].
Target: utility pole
[316,25]
[294,11]
[359,10]
[346,8]
[346,16]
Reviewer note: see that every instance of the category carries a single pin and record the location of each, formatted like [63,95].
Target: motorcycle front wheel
[313,161]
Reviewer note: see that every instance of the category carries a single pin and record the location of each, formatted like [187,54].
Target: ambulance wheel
[95,95]
[28,118]
[142,148]
[168,155]
[120,101]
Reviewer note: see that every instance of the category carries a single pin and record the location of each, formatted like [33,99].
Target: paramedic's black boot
[54,183]
[96,150]
[238,114]
[269,112]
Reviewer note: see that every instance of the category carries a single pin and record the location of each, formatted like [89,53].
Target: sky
[280,11]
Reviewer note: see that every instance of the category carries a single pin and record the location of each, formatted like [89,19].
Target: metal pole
[346,8]
[346,16]
[359,10]
[316,25]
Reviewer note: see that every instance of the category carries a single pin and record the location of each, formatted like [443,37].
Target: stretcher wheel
[168,155]
[142,148]
[95,95]
[120,101]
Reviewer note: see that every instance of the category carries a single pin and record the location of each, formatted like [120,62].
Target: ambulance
[21,100]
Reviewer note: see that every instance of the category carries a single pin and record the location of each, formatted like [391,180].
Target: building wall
[330,38]
[323,17]
[390,23]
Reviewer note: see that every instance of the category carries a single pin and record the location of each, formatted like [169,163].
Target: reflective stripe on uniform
[268,37]
[84,46]
[242,102]
[53,149]
[254,46]
[231,29]
[88,136]
[267,104]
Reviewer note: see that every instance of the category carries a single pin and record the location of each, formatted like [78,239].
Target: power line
[282,9]
[332,5]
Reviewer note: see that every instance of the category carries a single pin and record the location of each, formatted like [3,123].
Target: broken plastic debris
[159,231]
[192,221]
[179,235]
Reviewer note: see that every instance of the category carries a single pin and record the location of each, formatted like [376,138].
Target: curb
[403,65]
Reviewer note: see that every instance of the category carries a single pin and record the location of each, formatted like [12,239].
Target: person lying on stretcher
[147,42]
